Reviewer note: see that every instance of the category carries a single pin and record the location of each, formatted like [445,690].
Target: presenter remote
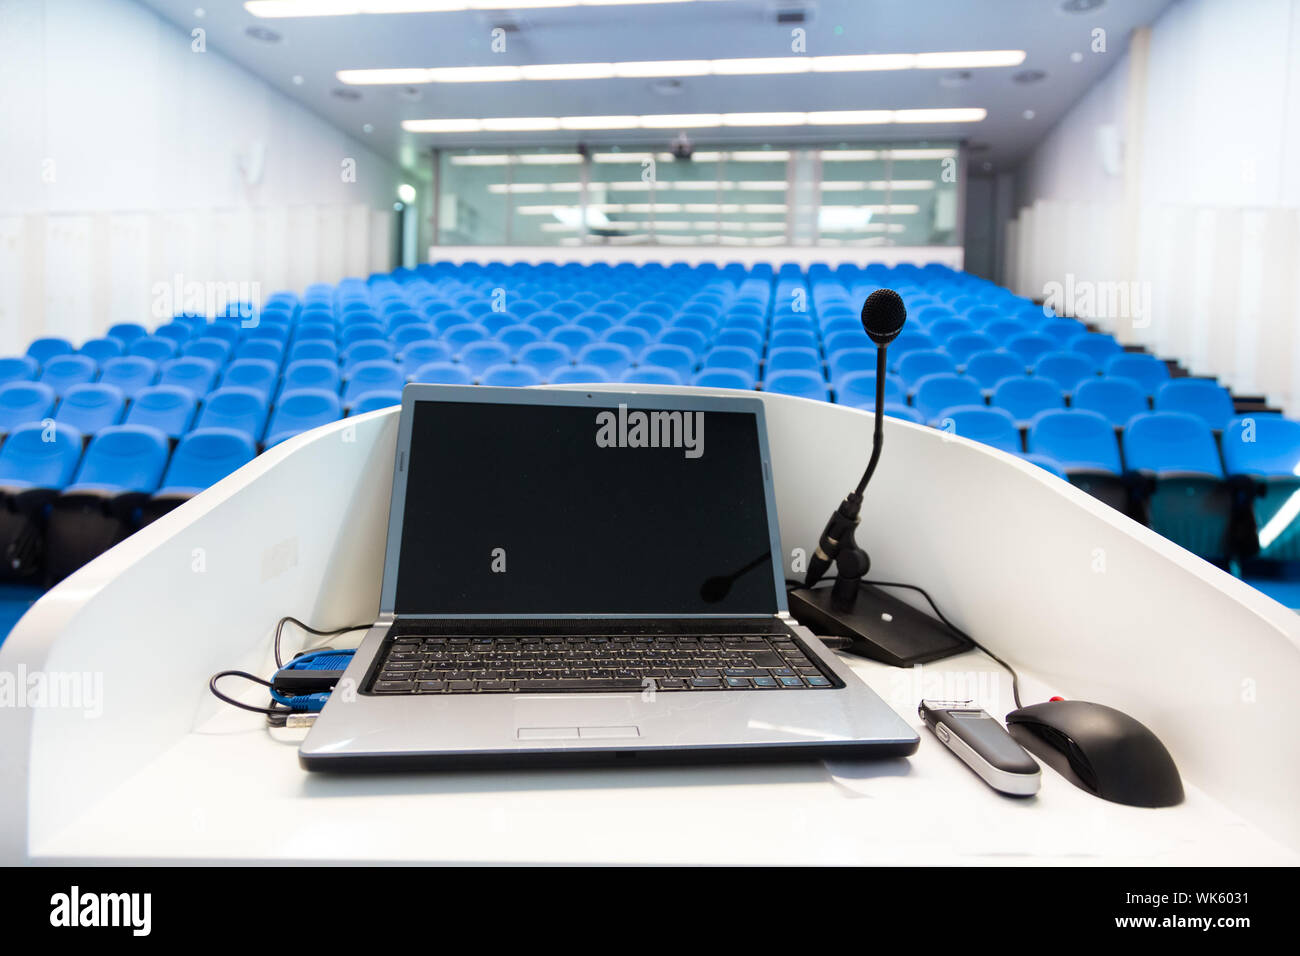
[983,745]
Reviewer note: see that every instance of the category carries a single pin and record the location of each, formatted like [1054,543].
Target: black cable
[1015,678]
[269,711]
[279,629]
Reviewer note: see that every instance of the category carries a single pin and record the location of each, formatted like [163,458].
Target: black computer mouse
[1101,750]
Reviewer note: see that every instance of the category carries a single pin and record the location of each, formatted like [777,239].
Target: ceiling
[1057,42]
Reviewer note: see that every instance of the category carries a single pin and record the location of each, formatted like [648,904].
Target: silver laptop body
[536,523]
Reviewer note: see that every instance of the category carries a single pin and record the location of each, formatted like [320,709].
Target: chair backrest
[236,408]
[572,337]
[24,402]
[63,371]
[511,375]
[943,390]
[1199,396]
[1079,440]
[1164,442]
[103,349]
[479,356]
[302,410]
[153,347]
[1146,371]
[989,367]
[373,376]
[723,378]
[544,357]
[579,374]
[196,374]
[1117,399]
[800,382]
[990,426]
[90,407]
[1267,446]
[676,357]
[731,356]
[124,458]
[965,344]
[443,373]
[1025,397]
[1096,345]
[168,408]
[1068,370]
[258,374]
[42,350]
[1030,345]
[18,368]
[915,366]
[35,456]
[204,457]
[375,400]
[859,389]
[311,373]
[651,375]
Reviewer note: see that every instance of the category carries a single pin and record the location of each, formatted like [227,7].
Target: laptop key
[494,686]
[394,686]
[460,685]
[431,686]
[706,682]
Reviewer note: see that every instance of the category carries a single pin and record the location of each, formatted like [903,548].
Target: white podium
[1083,601]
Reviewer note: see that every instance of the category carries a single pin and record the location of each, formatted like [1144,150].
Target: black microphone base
[881,626]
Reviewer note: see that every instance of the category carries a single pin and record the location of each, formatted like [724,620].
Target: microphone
[883,317]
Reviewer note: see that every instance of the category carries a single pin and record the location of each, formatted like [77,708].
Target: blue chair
[851,360]
[793,338]
[597,322]
[202,458]
[944,329]
[965,344]
[362,332]
[544,357]
[917,365]
[1068,370]
[34,457]
[24,402]
[155,348]
[366,350]
[651,375]
[1264,451]
[478,357]
[730,356]
[129,374]
[1190,503]
[442,373]
[316,332]
[572,337]
[121,460]
[314,350]
[635,340]
[1147,371]
[258,374]
[798,382]
[42,350]
[514,376]
[579,374]
[459,336]
[859,390]
[18,369]
[1117,399]
[262,350]
[516,337]
[690,339]
[239,409]
[90,407]
[168,408]
[1025,397]
[64,371]
[908,341]
[127,332]
[1047,463]
[1198,396]
[676,357]
[724,378]
[906,412]
[989,426]
[423,352]
[373,376]
[311,373]
[936,393]
[1031,346]
[794,359]
[1063,330]
[740,337]
[101,350]
[196,374]
[990,367]
[301,410]
[1098,346]
[1085,445]
[215,350]
[409,334]
[373,401]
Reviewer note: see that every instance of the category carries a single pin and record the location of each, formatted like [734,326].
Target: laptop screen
[528,509]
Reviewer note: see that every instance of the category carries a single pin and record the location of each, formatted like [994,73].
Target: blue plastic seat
[572,337]
[944,329]
[311,373]
[941,391]
[1265,450]
[546,320]
[724,378]
[1068,370]
[459,336]
[544,358]
[423,352]
[793,338]
[366,350]
[859,390]
[515,337]
[24,402]
[799,382]
[731,356]
[373,401]
[633,339]
[379,375]
[676,357]
[409,334]
[64,371]
[1030,346]
[42,350]
[514,376]
[910,340]
[258,374]
[989,426]
[1025,397]
[651,375]
[742,337]
[906,412]
[597,321]
[196,374]
[127,332]
[1098,346]
[1198,396]
[18,369]
[262,350]
[990,367]
[314,349]
[361,332]
[478,357]
[215,350]
[793,358]
[1047,463]
[690,339]
[121,459]
[1147,371]
[1079,440]
[239,409]
[1063,330]
[204,457]
[301,410]
[168,408]
[101,350]
[852,360]
[579,374]
[965,344]
[917,365]
[129,374]
[1117,399]
[90,407]
[442,373]
[1165,443]
[153,347]
[610,356]
[35,456]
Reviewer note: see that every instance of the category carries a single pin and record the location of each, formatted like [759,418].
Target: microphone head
[883,315]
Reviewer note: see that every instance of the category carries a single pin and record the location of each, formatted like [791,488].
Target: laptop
[580,577]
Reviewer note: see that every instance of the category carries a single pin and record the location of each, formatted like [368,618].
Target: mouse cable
[269,711]
[279,630]
[1015,678]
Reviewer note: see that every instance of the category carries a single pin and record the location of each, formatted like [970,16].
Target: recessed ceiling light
[1076,57]
[297,79]
[343,93]
[643,69]
[1026,77]
[668,87]
[1028,114]
[262,34]
[955,78]
[694,120]
[367,128]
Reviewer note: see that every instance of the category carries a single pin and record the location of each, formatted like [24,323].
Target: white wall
[1203,211]
[120,169]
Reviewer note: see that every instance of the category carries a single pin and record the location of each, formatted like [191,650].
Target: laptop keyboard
[415,664]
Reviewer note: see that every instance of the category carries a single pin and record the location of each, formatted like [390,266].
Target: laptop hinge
[386,618]
[783,615]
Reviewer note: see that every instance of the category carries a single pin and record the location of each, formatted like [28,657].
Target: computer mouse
[1101,750]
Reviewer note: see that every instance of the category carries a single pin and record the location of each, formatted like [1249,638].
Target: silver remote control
[983,744]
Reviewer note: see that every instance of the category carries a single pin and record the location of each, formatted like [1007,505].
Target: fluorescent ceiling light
[642,69]
[346,8]
[849,185]
[698,121]
[549,159]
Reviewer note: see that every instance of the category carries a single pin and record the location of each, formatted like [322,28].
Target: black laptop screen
[555,509]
